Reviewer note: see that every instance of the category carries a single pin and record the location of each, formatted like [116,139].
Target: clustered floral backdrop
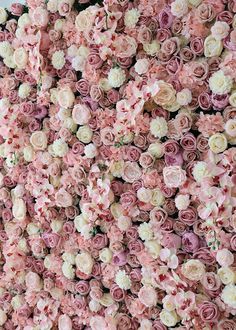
[117,158]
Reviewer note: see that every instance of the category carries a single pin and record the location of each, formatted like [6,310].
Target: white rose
[141,66]
[212,47]
[131,17]
[145,231]
[184,97]
[144,195]
[123,223]
[116,77]
[39,140]
[220,30]
[78,63]
[157,197]
[105,255]
[94,306]
[70,125]
[156,149]
[158,127]
[104,84]
[68,270]
[66,97]
[22,245]
[58,59]
[24,20]
[168,318]
[217,143]
[20,57]
[84,262]
[3,317]
[84,134]
[17,301]
[28,153]
[106,300]
[179,8]
[226,275]
[153,248]
[228,295]
[84,21]
[60,148]
[19,209]
[123,280]
[9,62]
[3,15]
[90,151]
[6,49]
[219,83]
[72,51]
[116,210]
[52,6]
[152,49]
[24,90]
[64,322]
[182,202]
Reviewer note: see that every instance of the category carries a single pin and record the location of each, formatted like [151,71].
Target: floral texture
[118,165]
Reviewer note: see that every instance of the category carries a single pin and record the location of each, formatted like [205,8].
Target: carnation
[200,171]
[219,83]
[131,17]
[24,90]
[158,127]
[145,231]
[58,60]
[123,280]
[60,148]
[116,77]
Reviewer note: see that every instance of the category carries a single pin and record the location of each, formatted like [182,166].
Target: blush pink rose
[33,281]
[81,114]
[64,322]
[131,172]
[225,258]
[208,312]
[148,296]
[174,176]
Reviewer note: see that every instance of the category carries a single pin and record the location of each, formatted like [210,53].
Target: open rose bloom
[118,165]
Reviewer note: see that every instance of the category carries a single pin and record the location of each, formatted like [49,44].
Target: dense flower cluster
[118,165]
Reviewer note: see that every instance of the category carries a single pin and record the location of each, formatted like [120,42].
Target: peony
[228,295]
[84,134]
[131,17]
[39,140]
[158,127]
[193,270]
[182,202]
[84,21]
[90,151]
[60,148]
[131,172]
[217,143]
[184,97]
[84,262]
[141,66]
[200,171]
[224,257]
[219,83]
[174,176]
[58,59]
[148,296]
[151,48]
[116,77]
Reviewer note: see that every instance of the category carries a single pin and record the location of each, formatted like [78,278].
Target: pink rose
[63,198]
[190,242]
[95,60]
[51,239]
[124,322]
[113,96]
[208,312]
[16,9]
[131,172]
[64,322]
[33,281]
[204,100]
[188,142]
[117,293]
[82,287]
[81,114]
[225,258]
[146,160]
[64,7]
[119,259]
[158,215]
[171,241]
[82,87]
[226,324]
[174,160]
[148,296]
[40,17]
[211,281]
[157,325]
[197,45]
[174,176]
[174,65]
[188,216]
[99,241]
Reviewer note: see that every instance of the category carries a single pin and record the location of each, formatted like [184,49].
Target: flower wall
[118,165]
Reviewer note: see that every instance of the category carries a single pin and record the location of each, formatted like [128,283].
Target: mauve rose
[119,259]
[211,281]
[82,86]
[34,126]
[163,57]
[132,233]
[204,100]
[82,287]
[166,191]
[136,275]
[135,246]
[169,206]
[179,227]
[219,101]
[229,113]
[128,199]
[175,160]
[190,156]
[95,60]
[68,227]
[144,35]
[188,216]
[132,153]
[146,160]
[214,63]
[171,241]
[202,143]
[200,70]
[206,12]
[165,18]
[205,256]
[6,215]
[96,93]
[113,96]
[8,182]
[140,141]
[174,65]
[190,242]
[71,212]
[51,239]
[197,45]
[183,122]
[186,54]
[158,215]
[117,293]
[208,311]
[124,62]
[225,16]
[38,266]
[124,322]
[171,147]
[157,325]
[16,9]
[162,35]
[96,293]
[99,241]
[27,108]
[226,324]
[117,187]
[188,142]
[177,26]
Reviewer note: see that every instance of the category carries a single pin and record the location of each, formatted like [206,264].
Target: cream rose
[166,94]
[105,255]
[227,275]
[220,30]
[24,20]
[84,21]
[228,295]
[179,8]
[68,270]
[20,57]
[156,149]
[84,262]
[19,209]
[66,97]
[153,248]
[157,198]
[24,90]
[39,140]
[84,134]
[152,48]
[212,46]
[193,270]
[168,318]
[184,97]
[217,143]
[219,83]
[131,17]
[3,15]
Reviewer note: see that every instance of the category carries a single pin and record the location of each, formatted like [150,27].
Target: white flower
[123,280]
[116,77]
[19,209]
[84,134]
[80,221]
[218,143]
[193,270]
[94,306]
[59,24]
[131,17]
[152,49]
[157,197]
[78,63]
[6,49]
[56,225]
[68,270]
[212,47]
[58,59]
[182,202]
[153,248]
[184,97]
[84,262]
[228,295]
[145,231]
[141,66]
[84,21]
[168,318]
[219,83]
[65,97]
[52,6]
[144,194]
[20,57]
[220,30]
[226,275]
[69,257]
[24,90]
[158,127]
[24,20]
[105,255]
[156,149]
[179,8]
[38,140]
[200,171]
[3,317]
[60,148]
[90,151]
[3,15]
